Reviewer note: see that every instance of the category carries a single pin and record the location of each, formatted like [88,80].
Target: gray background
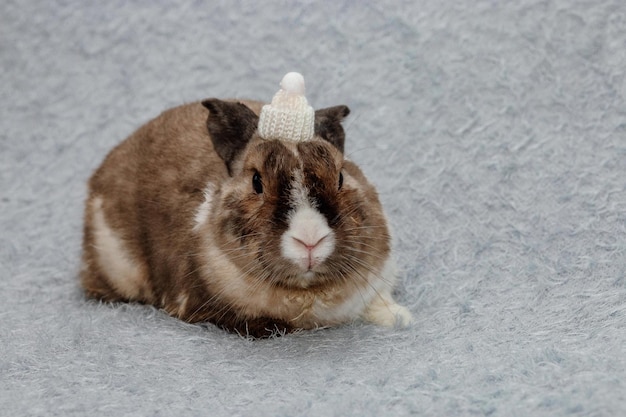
[495,132]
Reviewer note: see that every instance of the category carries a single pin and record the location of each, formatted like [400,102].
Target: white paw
[388,314]
[403,316]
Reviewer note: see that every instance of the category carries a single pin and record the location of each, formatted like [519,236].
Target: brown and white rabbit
[258,226]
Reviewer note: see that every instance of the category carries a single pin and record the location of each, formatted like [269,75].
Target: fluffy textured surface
[495,132]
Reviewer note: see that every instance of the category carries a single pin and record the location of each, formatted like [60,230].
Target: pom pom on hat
[289,116]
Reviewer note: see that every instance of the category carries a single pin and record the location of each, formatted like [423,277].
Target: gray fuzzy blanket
[495,132]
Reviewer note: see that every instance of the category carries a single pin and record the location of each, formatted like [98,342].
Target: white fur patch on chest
[379,285]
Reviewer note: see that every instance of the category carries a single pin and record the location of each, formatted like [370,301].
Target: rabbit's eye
[340,180]
[257,185]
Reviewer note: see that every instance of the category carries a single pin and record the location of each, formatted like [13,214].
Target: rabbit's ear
[231,125]
[328,125]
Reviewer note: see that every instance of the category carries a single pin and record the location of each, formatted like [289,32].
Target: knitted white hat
[289,117]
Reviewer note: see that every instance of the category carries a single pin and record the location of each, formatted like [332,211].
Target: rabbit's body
[196,214]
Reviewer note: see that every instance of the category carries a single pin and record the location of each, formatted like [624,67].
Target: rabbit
[200,214]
